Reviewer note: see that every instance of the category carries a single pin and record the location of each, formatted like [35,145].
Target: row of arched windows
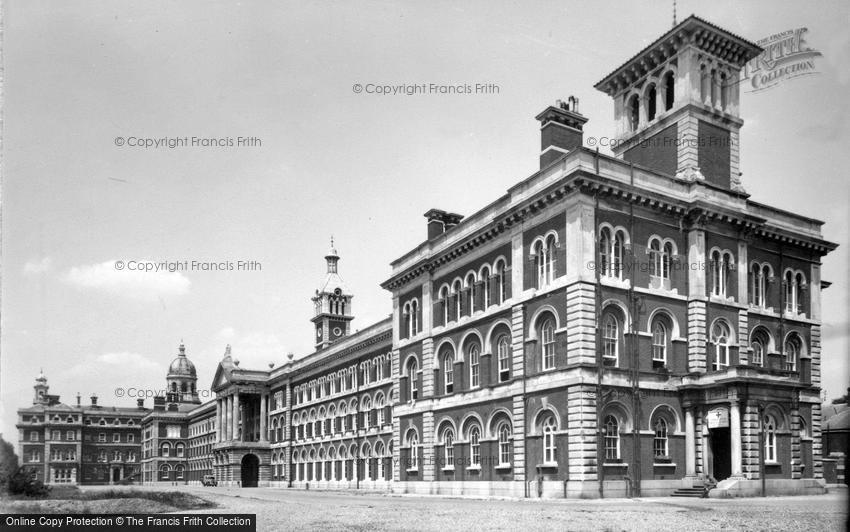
[642,107]
[476,291]
[374,370]
[471,435]
[344,417]
[165,450]
[338,463]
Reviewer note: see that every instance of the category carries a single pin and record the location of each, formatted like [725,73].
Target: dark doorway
[721,453]
[250,471]
[116,475]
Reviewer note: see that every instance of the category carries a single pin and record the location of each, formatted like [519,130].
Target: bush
[24,482]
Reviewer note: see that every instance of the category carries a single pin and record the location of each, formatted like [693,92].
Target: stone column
[236,411]
[228,422]
[263,416]
[735,438]
[690,444]
[218,412]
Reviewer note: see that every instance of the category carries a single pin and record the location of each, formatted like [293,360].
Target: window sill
[474,469]
[548,465]
[412,470]
[664,464]
[504,467]
[615,464]
[450,469]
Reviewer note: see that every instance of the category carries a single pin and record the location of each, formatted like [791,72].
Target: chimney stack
[140,403]
[79,399]
[93,400]
[561,130]
[441,221]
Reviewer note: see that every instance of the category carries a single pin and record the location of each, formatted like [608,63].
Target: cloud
[37,267]
[128,282]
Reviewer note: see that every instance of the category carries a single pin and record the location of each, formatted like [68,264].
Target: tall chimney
[79,399]
[561,130]
[93,400]
[436,222]
[140,403]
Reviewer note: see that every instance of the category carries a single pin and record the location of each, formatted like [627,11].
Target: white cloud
[36,267]
[127,281]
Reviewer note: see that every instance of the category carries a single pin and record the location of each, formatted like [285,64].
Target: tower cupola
[332,302]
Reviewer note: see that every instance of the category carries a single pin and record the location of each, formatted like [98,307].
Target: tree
[8,463]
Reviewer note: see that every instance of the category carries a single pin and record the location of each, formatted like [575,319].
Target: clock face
[337,331]
[319,332]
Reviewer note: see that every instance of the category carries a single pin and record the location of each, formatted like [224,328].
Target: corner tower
[332,318]
[41,388]
[676,103]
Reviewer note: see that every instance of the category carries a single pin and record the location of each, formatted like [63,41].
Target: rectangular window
[56,435]
[116,438]
[69,435]
[33,436]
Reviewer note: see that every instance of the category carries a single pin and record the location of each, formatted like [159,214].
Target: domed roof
[182,366]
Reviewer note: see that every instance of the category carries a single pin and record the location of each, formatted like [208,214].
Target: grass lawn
[70,499]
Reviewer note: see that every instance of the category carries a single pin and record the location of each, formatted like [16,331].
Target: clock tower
[332,316]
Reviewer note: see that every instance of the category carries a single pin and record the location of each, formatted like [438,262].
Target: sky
[361,167]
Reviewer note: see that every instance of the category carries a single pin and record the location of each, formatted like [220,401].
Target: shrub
[24,482]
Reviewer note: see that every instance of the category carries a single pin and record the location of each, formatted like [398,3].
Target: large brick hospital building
[610,326]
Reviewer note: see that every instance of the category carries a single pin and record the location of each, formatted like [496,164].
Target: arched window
[469,290]
[610,340]
[549,447]
[720,338]
[366,408]
[792,353]
[659,443]
[547,338]
[474,446]
[413,444]
[759,277]
[504,444]
[545,256]
[448,370]
[457,288]
[724,91]
[612,438]
[634,112]
[444,297]
[720,264]
[501,286]
[794,284]
[659,342]
[611,245]
[769,438]
[449,447]
[759,344]
[165,450]
[669,91]
[474,367]
[413,379]
[503,348]
[650,102]
[485,280]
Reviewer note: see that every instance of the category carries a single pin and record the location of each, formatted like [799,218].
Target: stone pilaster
[796,454]
[518,341]
[696,336]
[428,458]
[815,352]
[743,337]
[581,323]
[519,425]
[396,369]
[817,442]
[581,432]
[428,367]
[750,441]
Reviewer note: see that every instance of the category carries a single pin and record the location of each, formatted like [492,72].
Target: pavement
[287,509]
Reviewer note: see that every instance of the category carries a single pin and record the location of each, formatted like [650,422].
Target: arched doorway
[250,470]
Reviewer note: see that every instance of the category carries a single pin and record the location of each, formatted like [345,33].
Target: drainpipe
[600,456]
